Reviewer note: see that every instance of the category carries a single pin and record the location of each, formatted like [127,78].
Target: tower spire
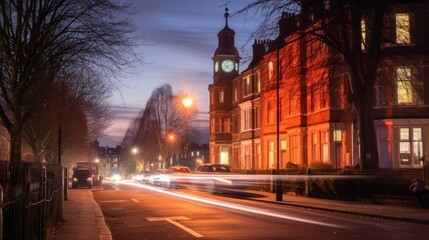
[226,15]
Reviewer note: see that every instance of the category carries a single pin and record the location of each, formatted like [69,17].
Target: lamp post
[187,102]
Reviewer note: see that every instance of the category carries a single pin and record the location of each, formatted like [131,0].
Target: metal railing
[36,205]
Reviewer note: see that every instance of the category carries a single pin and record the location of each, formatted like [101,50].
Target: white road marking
[114,201]
[173,220]
[135,200]
[115,187]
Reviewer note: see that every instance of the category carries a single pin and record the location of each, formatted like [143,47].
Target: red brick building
[314,124]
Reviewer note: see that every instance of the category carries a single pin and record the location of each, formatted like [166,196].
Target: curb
[402,219]
[105,233]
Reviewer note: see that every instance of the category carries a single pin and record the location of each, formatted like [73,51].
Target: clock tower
[226,58]
[225,70]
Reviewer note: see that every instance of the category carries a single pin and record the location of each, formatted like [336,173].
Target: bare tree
[43,41]
[79,109]
[338,25]
[163,116]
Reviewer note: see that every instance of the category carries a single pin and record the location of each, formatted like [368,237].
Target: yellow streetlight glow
[134,150]
[187,102]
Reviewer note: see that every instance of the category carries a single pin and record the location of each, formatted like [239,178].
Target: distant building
[197,155]
[110,158]
[313,124]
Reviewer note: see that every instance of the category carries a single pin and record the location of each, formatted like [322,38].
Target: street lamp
[134,151]
[187,102]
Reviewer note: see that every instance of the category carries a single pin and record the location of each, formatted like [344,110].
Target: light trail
[232,206]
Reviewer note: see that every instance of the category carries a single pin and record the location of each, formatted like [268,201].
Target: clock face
[216,67]
[227,65]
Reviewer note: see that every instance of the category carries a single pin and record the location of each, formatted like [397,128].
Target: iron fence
[34,206]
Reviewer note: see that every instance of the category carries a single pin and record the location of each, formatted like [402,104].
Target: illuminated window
[235,94]
[410,146]
[363,31]
[271,154]
[270,71]
[337,135]
[403,28]
[224,154]
[404,86]
[417,146]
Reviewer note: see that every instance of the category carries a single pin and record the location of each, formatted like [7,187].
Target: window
[246,123]
[270,71]
[410,146]
[337,135]
[257,117]
[258,156]
[213,125]
[221,97]
[283,147]
[403,28]
[258,82]
[325,147]
[417,146]
[235,93]
[363,34]
[404,86]
[315,136]
[271,154]
[247,157]
[224,154]
[271,118]
[225,125]
[294,141]
[247,86]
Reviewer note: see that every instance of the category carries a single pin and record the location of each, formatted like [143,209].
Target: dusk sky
[181,37]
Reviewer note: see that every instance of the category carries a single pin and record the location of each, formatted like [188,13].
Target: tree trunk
[15,160]
[368,136]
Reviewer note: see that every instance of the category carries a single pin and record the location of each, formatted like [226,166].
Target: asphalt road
[138,211]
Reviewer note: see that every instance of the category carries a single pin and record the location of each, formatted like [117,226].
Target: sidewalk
[83,218]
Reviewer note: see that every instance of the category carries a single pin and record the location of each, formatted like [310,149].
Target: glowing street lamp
[134,150]
[187,102]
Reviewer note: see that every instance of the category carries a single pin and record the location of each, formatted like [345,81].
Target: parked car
[82,177]
[218,178]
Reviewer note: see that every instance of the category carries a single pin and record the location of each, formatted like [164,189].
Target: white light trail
[233,206]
